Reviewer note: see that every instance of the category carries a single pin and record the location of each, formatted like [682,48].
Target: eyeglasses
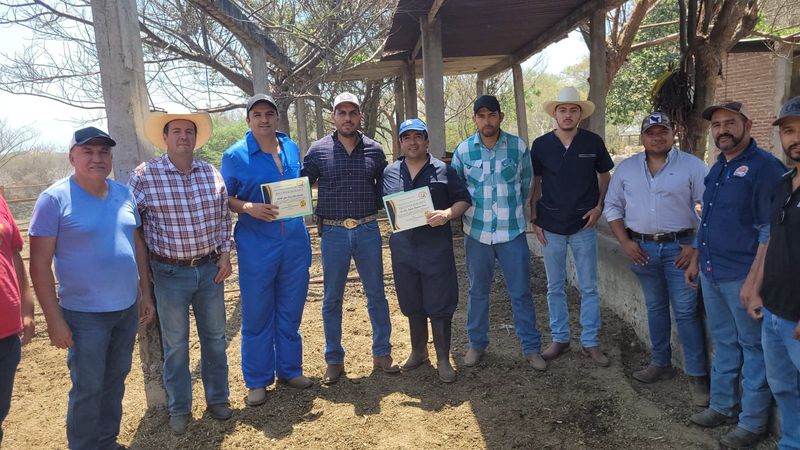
[782,213]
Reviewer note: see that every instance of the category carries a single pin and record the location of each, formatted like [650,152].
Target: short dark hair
[166,125]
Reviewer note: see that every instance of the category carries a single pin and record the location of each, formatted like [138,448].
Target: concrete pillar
[782,58]
[119,52]
[258,69]
[597,71]
[301,111]
[433,77]
[480,86]
[319,121]
[410,89]
[519,101]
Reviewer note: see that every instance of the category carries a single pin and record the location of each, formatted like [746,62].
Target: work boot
[710,418]
[651,374]
[536,361]
[418,329]
[298,382]
[442,331]
[256,396]
[178,424]
[554,350]
[332,374]
[596,355]
[385,364]
[220,411]
[739,438]
[473,357]
[698,387]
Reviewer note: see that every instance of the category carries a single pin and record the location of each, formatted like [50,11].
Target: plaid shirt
[184,215]
[499,181]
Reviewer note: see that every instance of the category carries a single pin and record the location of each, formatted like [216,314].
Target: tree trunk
[372,96]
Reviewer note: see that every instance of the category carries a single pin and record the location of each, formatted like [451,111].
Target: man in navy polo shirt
[348,167]
[423,263]
[572,168]
[734,226]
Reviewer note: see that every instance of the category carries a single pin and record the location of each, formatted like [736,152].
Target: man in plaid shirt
[186,221]
[496,167]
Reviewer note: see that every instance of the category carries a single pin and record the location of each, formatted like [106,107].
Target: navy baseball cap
[85,135]
[413,125]
[790,109]
[260,98]
[486,101]
[656,118]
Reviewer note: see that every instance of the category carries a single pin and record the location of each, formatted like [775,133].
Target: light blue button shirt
[661,203]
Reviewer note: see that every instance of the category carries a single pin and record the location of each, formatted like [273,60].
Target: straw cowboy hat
[569,95]
[156,120]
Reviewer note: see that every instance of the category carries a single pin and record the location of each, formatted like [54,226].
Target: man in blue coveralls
[274,254]
[734,226]
[348,167]
[423,263]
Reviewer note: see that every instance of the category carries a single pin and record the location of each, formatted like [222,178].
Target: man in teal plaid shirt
[496,167]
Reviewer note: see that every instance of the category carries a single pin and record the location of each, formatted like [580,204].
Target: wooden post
[258,69]
[410,89]
[597,71]
[433,77]
[519,101]
[119,52]
[301,111]
[399,114]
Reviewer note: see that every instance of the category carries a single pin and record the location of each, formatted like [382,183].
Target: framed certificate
[292,197]
[408,209]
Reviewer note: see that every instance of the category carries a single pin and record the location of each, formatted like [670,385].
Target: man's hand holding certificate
[409,209]
[291,197]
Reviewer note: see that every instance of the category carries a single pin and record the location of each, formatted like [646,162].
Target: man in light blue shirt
[497,169]
[650,207]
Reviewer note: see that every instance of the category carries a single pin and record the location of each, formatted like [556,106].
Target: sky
[54,121]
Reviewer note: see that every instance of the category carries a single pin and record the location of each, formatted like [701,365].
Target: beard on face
[735,141]
[489,131]
[793,148]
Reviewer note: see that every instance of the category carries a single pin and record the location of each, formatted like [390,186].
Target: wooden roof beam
[435,7]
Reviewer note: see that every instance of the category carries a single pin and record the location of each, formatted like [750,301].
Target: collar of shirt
[749,150]
[407,173]
[502,141]
[252,144]
[338,143]
[671,157]
[170,167]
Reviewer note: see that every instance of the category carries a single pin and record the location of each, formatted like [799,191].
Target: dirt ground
[502,403]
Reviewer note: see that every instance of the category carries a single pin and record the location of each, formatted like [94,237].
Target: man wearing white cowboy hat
[184,207]
[572,168]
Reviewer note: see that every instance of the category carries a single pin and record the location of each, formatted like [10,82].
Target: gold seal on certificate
[409,209]
[292,197]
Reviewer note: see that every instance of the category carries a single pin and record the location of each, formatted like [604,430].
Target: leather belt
[661,237]
[194,262]
[349,223]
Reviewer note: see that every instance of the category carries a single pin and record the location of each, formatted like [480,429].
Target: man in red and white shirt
[186,221]
[16,307]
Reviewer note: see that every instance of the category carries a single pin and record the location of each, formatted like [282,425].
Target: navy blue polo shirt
[447,188]
[736,212]
[569,179]
[349,185]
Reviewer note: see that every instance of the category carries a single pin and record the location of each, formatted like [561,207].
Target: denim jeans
[584,252]
[99,362]
[362,244]
[515,263]
[177,287]
[737,349]
[782,358]
[9,359]
[662,284]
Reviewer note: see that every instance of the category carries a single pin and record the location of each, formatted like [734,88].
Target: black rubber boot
[418,329]
[442,330]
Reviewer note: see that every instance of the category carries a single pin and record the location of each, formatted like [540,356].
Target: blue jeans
[737,348]
[662,284]
[9,359]
[584,252]
[362,244]
[177,287]
[782,358]
[99,362]
[515,263]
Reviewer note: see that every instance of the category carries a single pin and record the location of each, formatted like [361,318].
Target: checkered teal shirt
[500,182]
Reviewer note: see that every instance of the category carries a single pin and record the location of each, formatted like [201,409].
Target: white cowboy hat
[569,95]
[157,120]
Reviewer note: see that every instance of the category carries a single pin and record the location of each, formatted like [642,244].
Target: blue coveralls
[274,258]
[423,263]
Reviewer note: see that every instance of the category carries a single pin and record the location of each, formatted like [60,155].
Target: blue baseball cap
[413,125]
[85,135]
[790,109]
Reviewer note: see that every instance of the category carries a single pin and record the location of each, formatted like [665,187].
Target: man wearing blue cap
[88,225]
[423,263]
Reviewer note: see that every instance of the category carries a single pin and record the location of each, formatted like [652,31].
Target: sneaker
[256,396]
[473,357]
[220,412]
[739,438]
[651,374]
[536,361]
[698,387]
[710,418]
[178,424]
[597,356]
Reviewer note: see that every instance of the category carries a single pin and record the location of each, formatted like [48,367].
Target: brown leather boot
[385,364]
[555,350]
[651,374]
[332,374]
[597,356]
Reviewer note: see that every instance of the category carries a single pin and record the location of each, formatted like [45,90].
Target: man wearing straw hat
[186,221]
[572,168]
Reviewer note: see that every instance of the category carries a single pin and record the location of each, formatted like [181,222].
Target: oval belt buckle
[350,223]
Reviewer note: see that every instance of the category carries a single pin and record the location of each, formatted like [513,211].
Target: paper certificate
[292,197]
[409,209]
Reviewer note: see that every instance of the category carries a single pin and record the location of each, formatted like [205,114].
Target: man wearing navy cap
[423,263]
[88,225]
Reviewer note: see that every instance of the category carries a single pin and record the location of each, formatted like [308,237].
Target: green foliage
[227,130]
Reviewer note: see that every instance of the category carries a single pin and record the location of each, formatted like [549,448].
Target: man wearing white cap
[572,171]
[186,222]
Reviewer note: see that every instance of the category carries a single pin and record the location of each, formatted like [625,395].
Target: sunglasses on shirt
[782,213]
